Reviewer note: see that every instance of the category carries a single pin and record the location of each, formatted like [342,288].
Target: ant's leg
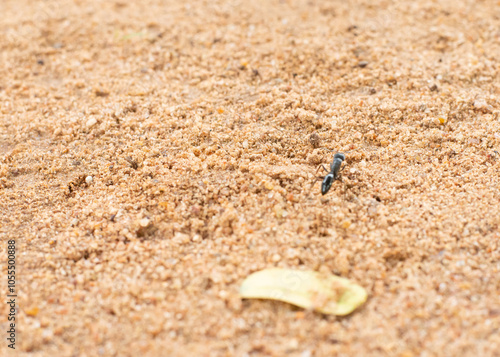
[329,149]
[321,166]
[316,179]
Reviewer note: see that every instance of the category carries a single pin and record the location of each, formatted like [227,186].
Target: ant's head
[339,155]
[327,183]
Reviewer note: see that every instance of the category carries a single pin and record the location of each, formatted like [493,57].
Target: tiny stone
[480,104]
[363,64]
[315,140]
[91,122]
[144,222]
[268,185]
[293,344]
[89,180]
[245,144]
[276,258]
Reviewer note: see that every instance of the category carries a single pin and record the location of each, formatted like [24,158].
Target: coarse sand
[153,154]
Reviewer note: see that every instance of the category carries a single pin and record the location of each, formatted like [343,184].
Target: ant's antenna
[336,151]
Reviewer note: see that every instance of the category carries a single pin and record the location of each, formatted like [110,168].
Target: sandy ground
[155,153]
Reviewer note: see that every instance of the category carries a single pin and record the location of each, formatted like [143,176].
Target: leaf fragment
[325,293]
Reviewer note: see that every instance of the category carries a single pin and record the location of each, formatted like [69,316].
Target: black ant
[333,174]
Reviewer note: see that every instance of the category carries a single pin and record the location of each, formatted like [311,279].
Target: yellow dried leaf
[164,204]
[32,312]
[328,294]
[268,185]
[346,224]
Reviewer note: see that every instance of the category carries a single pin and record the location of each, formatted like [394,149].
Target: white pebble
[480,104]
[47,333]
[245,144]
[91,122]
[89,180]
[144,222]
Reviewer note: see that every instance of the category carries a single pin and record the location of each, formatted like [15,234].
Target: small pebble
[89,180]
[91,122]
[144,222]
[481,105]
[293,344]
[268,185]
[315,140]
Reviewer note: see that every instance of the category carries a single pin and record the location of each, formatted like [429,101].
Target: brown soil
[155,153]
